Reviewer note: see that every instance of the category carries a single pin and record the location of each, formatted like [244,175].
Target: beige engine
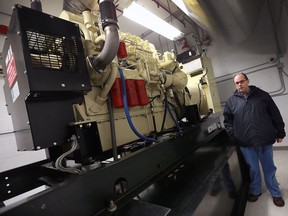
[148,77]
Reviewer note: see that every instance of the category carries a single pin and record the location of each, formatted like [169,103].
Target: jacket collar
[252,89]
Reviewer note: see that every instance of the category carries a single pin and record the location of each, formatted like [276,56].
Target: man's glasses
[240,82]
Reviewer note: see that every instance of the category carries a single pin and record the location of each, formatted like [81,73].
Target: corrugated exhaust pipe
[109,25]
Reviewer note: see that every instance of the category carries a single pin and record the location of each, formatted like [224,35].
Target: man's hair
[245,76]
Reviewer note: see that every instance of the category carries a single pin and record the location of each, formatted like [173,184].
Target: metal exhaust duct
[109,24]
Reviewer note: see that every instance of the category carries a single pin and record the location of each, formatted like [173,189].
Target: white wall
[5,119]
[251,56]
[10,158]
[4,20]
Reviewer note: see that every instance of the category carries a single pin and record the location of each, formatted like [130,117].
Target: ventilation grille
[52,52]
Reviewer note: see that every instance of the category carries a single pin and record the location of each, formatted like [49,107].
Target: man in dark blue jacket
[253,120]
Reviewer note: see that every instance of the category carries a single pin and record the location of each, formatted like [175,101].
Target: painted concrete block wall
[254,56]
[11,158]
[5,119]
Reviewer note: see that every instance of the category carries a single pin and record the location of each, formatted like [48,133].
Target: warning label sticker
[11,67]
[15,92]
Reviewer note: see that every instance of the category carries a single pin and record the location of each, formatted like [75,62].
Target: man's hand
[279,140]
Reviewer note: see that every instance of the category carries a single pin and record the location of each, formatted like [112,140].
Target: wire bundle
[59,161]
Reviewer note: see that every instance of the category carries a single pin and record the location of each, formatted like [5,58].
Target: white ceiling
[231,24]
[54,7]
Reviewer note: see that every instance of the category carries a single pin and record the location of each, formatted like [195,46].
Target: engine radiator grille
[52,52]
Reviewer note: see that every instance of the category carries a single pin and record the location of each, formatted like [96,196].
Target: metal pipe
[279,52]
[168,19]
[282,87]
[281,72]
[168,11]
[243,70]
[112,128]
[36,5]
[278,92]
[109,50]
[102,96]
[110,27]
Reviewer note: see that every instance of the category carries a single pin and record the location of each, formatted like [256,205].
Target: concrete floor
[265,206]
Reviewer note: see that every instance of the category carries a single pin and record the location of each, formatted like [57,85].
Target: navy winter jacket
[253,121]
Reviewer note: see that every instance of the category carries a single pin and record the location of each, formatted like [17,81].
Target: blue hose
[171,114]
[127,111]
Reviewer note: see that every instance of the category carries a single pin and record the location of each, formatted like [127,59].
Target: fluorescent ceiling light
[181,5]
[139,14]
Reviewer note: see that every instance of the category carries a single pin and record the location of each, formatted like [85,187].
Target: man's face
[241,83]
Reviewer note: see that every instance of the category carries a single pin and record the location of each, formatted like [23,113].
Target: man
[253,120]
